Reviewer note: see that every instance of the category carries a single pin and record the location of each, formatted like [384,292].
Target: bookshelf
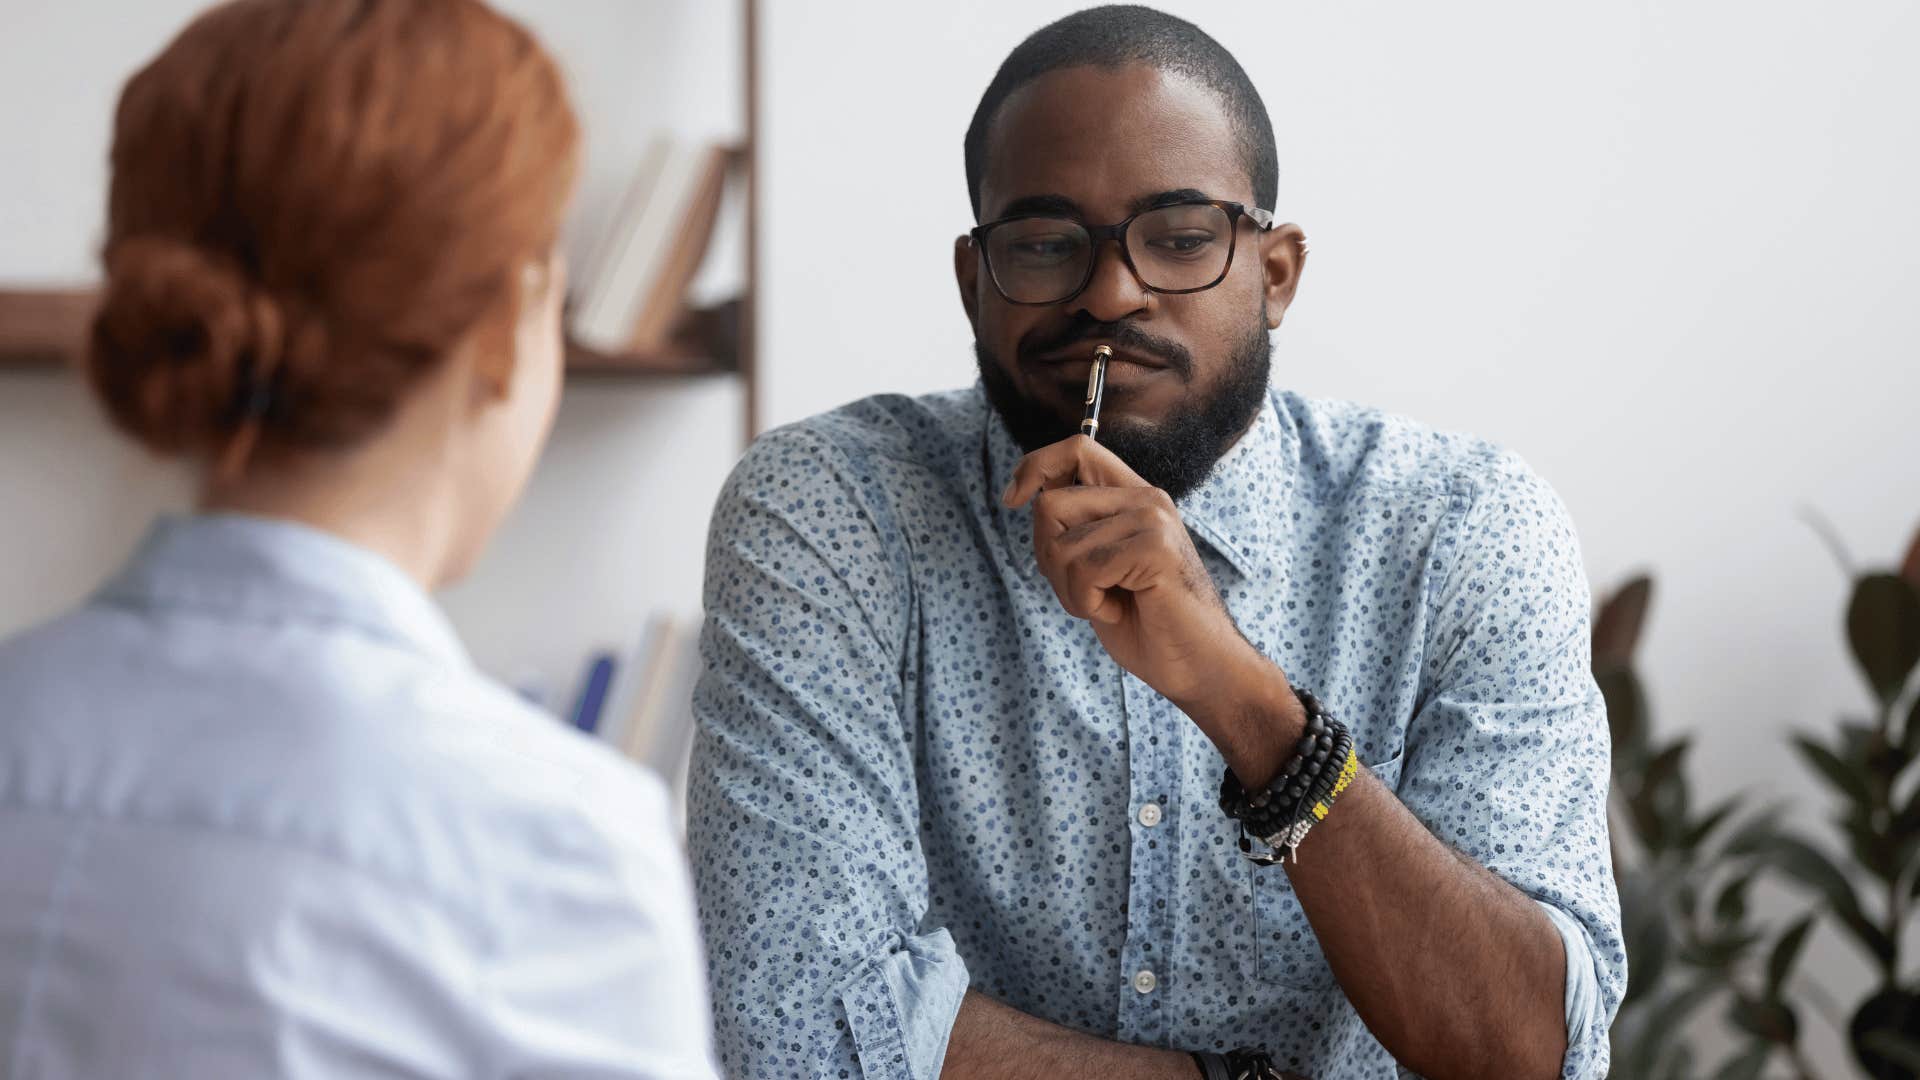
[44,326]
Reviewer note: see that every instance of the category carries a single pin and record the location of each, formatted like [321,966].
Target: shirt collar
[1238,510]
[268,569]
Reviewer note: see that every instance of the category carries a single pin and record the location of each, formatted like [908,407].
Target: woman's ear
[966,272]
[1283,257]
[496,352]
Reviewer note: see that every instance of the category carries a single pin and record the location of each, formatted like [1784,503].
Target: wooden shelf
[582,360]
[46,330]
[43,329]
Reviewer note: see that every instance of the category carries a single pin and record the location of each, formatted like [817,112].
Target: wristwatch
[1245,1063]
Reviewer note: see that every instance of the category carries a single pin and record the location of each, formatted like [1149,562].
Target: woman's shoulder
[426,774]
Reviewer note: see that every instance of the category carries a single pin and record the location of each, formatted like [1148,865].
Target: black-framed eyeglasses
[1184,247]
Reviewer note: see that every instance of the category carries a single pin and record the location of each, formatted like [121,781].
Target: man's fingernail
[1006,497]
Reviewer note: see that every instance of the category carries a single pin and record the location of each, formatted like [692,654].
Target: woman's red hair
[313,202]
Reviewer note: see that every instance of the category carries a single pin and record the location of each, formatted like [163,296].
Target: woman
[259,816]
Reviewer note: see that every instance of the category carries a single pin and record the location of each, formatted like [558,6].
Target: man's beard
[1175,455]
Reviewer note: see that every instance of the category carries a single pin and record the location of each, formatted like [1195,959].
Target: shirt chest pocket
[1288,952]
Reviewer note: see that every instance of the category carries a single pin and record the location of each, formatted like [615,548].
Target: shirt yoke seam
[94,818]
[44,931]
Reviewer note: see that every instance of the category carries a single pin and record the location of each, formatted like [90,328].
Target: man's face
[1189,370]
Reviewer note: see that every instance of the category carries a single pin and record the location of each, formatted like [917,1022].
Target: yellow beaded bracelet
[1348,770]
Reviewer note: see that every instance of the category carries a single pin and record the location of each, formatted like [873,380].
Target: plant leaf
[1872,851]
[1671,1010]
[1910,739]
[1643,924]
[1811,867]
[1883,626]
[1657,806]
[1856,737]
[1702,828]
[1731,905]
[1664,771]
[1876,1031]
[1686,899]
[1626,713]
[1679,1064]
[1719,952]
[1785,951]
[1848,782]
[1772,1021]
[1755,834]
[1745,1065]
[1647,826]
[1616,629]
[1906,821]
[1910,566]
[1894,1047]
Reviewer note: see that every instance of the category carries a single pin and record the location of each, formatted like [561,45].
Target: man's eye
[1042,247]
[1183,243]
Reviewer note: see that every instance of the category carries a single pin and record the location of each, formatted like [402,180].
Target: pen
[1096,391]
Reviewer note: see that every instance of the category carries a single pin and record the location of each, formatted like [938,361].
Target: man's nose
[1113,292]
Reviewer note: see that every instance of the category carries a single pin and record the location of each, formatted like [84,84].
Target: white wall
[1665,251]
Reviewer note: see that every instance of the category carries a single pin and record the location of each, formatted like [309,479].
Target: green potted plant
[1684,875]
[1873,892]
[1690,938]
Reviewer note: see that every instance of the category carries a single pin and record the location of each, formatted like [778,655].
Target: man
[975,685]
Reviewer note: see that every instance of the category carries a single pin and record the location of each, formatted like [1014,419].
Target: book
[596,317]
[633,289]
[653,704]
[592,698]
[673,723]
[661,311]
[627,708]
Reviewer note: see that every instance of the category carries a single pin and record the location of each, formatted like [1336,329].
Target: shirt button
[1150,814]
[1144,981]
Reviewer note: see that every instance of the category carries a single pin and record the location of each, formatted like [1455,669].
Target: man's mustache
[1126,335]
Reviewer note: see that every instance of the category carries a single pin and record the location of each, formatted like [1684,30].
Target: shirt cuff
[900,1007]
[1587,1054]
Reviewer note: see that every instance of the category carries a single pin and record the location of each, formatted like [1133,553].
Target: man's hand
[1118,555]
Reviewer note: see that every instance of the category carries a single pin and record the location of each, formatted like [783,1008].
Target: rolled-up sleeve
[1507,759]
[803,812]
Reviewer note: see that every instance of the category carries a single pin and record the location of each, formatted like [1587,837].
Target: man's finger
[1076,460]
[1085,563]
[1094,575]
[1058,509]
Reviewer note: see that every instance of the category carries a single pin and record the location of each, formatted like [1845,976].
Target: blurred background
[1668,252]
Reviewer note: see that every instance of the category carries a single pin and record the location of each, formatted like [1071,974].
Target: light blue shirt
[917,774]
[259,816]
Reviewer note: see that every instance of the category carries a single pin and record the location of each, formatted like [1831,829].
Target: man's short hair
[1118,34]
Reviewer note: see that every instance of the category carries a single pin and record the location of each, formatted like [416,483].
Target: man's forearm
[1452,969]
[991,1041]
[1455,971]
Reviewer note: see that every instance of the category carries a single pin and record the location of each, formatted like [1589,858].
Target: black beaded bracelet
[1310,779]
[1280,803]
[1245,1063]
[1212,1066]
[1330,747]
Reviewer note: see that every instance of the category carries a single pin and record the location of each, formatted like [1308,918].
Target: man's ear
[966,272]
[1283,257]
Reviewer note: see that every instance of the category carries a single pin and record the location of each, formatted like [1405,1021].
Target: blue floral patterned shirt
[917,774]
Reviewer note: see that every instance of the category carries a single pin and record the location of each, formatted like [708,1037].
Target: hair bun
[178,333]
